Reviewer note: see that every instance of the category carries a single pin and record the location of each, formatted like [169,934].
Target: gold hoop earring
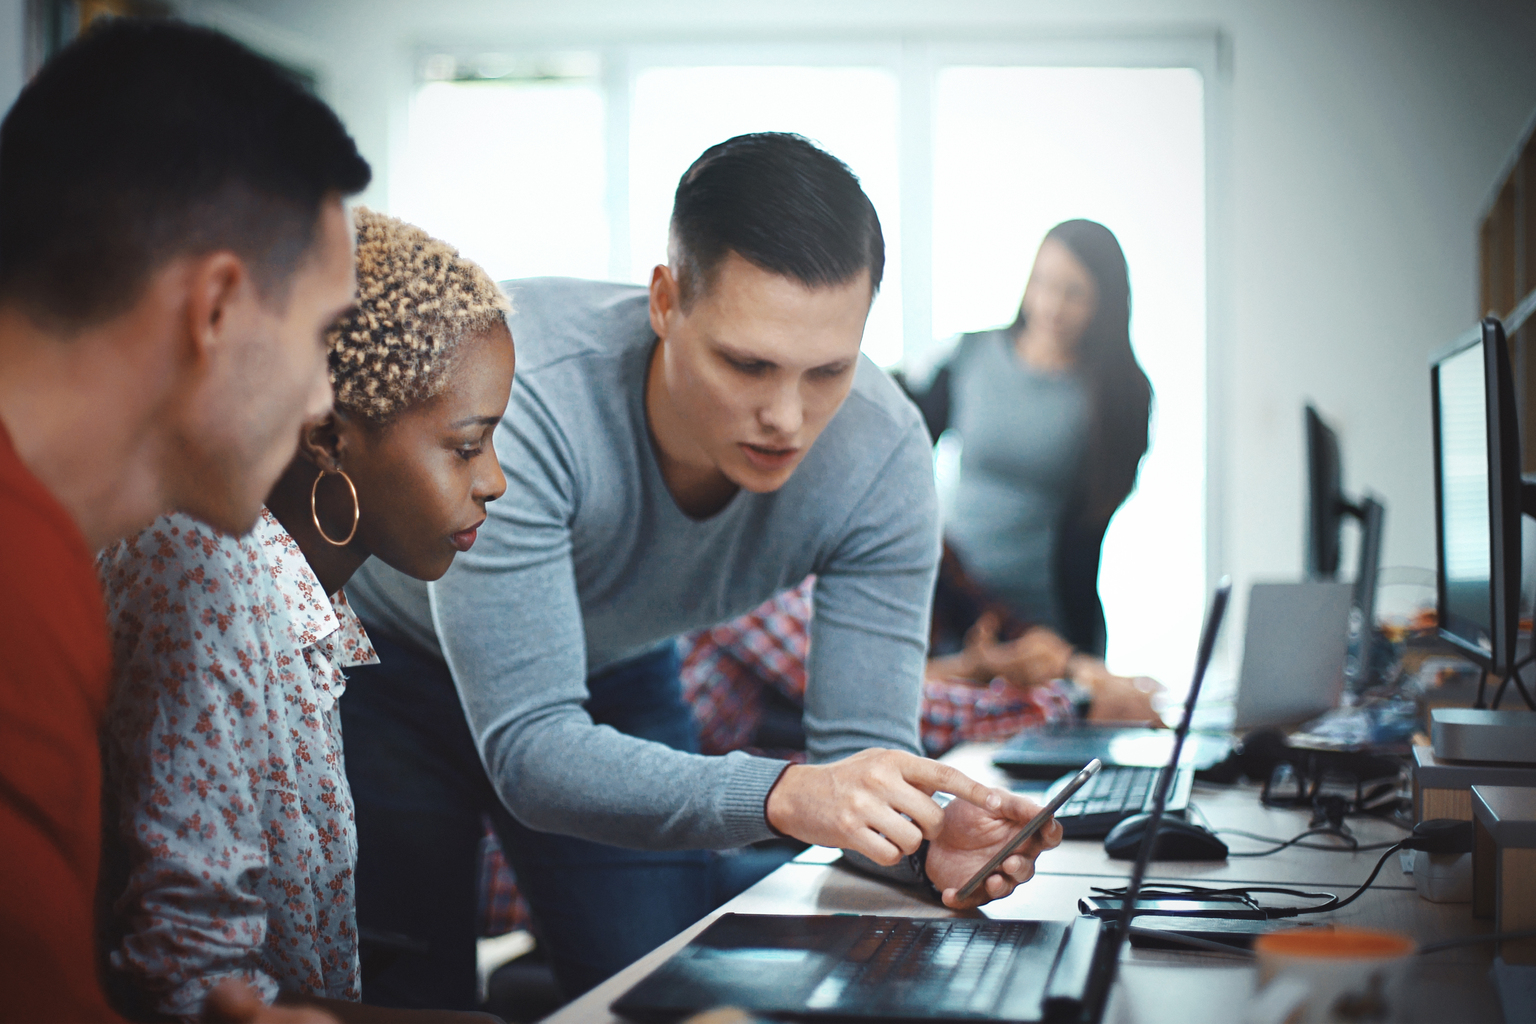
[357,511]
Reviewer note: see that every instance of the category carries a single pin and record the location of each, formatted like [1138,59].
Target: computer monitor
[1327,507]
[1479,499]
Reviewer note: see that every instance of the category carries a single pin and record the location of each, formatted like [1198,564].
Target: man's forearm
[623,790]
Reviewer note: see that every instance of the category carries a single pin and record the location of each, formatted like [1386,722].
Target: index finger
[933,777]
[1017,806]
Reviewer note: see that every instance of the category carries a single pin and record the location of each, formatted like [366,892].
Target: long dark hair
[1119,394]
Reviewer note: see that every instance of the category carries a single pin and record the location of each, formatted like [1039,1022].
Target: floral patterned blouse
[230,819]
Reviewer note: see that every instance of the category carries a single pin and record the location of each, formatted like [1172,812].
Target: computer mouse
[1177,839]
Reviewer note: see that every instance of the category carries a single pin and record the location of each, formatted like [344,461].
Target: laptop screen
[1107,957]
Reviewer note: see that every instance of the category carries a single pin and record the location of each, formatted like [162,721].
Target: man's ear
[322,443]
[666,300]
[218,283]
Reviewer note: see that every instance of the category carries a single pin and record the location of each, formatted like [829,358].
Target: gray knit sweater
[587,561]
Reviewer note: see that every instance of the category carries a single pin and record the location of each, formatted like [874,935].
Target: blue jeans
[420,791]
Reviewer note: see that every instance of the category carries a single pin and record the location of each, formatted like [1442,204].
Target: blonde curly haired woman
[231,841]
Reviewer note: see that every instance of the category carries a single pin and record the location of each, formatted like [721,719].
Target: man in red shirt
[172,246]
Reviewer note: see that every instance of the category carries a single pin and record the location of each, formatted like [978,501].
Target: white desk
[1153,986]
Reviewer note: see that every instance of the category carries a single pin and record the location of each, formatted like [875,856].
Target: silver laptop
[1293,653]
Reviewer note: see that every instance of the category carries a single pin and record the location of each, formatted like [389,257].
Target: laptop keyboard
[955,966]
[1113,795]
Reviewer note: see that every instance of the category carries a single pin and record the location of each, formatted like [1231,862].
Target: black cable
[1175,891]
[1282,844]
[1296,841]
[1346,901]
[1238,894]
[1371,815]
[1244,894]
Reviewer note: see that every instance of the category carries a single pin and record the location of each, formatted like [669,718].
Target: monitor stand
[1360,669]
[1502,613]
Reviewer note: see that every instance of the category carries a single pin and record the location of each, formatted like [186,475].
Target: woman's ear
[321,442]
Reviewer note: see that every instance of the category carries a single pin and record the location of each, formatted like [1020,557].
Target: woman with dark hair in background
[1052,414]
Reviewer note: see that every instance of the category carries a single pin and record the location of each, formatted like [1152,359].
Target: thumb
[231,1002]
[235,1002]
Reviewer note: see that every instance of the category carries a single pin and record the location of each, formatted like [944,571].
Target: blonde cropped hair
[417,301]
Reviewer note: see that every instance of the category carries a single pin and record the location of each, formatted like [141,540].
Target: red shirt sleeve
[55,668]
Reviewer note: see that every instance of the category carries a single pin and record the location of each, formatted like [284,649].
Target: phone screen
[1035,824]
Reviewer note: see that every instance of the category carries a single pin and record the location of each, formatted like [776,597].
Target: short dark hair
[147,140]
[781,202]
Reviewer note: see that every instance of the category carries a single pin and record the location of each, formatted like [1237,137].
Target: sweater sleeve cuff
[742,806]
[907,871]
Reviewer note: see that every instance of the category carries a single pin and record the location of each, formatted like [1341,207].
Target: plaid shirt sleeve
[958,710]
[726,668]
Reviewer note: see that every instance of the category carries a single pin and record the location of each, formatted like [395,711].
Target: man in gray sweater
[674,456]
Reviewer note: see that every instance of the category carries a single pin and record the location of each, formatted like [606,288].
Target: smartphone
[1035,825]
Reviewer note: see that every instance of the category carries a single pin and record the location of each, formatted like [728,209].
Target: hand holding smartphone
[1035,825]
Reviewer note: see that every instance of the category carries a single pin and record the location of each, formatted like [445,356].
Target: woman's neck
[1043,351]
[289,502]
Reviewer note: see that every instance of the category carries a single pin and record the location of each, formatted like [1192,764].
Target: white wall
[1357,142]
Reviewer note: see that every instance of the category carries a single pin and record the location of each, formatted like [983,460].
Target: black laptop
[847,967]
[1050,752]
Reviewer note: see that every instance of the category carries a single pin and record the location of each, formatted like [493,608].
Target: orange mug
[1330,976]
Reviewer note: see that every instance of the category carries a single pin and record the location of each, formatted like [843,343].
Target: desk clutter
[1343,766]
[1167,960]
[1325,908]
[914,969]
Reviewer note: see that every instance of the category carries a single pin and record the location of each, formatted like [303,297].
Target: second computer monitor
[1327,508]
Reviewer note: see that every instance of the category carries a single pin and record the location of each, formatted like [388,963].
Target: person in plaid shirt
[742,676]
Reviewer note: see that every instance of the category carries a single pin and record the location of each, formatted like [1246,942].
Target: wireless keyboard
[1113,795]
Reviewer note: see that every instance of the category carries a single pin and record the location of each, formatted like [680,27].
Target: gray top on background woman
[1052,415]
[1024,433]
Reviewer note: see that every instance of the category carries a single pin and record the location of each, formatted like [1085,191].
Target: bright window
[509,157]
[511,172]
[1019,149]
[678,112]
